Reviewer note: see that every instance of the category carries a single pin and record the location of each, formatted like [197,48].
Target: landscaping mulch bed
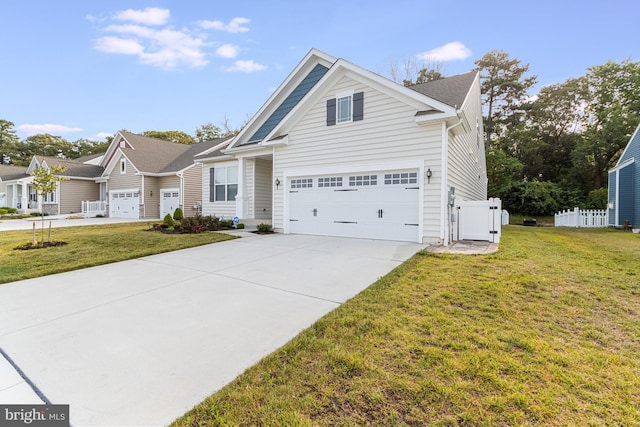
[39,245]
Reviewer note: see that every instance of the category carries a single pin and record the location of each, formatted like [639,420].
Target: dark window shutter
[358,106]
[331,112]
[212,187]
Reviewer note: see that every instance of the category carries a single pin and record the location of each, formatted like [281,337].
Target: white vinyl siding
[387,136]
[467,163]
[263,189]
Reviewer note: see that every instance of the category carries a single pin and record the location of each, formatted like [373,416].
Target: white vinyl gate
[478,220]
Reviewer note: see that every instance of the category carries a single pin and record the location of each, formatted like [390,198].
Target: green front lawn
[544,332]
[89,246]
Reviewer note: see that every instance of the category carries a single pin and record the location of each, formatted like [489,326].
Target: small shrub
[264,228]
[39,214]
[240,226]
[12,210]
[226,223]
[168,221]
[178,214]
[4,211]
[199,224]
[99,216]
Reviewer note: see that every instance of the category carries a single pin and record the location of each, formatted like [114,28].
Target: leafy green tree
[503,171]
[612,112]
[46,181]
[554,121]
[171,135]
[8,140]
[505,89]
[86,147]
[208,132]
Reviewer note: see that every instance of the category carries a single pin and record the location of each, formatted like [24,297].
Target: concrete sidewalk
[141,342]
[62,221]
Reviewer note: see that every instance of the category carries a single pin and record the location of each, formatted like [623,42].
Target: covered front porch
[254,200]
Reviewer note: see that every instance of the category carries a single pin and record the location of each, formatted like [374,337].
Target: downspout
[445,220]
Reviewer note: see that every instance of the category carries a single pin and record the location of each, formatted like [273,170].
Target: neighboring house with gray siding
[149,178]
[624,186]
[341,151]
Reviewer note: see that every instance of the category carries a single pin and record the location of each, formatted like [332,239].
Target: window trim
[123,166]
[214,186]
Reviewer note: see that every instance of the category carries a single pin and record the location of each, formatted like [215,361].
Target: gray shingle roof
[152,155]
[450,90]
[10,172]
[73,167]
[194,149]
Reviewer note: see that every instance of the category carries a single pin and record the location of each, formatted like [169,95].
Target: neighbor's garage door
[377,205]
[124,204]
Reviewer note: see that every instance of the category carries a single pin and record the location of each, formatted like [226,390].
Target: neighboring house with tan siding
[338,150]
[149,177]
[79,185]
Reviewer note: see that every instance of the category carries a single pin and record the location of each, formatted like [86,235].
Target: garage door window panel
[363,180]
[333,181]
[401,178]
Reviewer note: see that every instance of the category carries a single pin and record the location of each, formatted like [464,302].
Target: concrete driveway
[141,342]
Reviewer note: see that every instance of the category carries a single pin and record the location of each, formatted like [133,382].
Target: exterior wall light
[277,182]
[150,193]
[429,173]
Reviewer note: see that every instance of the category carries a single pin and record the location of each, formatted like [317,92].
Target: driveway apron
[141,342]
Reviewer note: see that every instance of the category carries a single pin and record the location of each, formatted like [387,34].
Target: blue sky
[87,68]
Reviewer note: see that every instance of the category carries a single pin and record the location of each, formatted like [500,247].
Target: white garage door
[124,204]
[169,201]
[377,205]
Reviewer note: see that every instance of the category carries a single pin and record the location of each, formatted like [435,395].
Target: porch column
[242,201]
[24,197]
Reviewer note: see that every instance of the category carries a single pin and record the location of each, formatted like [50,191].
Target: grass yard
[89,246]
[544,332]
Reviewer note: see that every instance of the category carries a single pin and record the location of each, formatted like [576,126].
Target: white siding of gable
[387,135]
[224,210]
[467,164]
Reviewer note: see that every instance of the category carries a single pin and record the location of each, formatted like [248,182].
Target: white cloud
[101,135]
[246,66]
[227,51]
[236,25]
[33,129]
[147,16]
[119,45]
[165,48]
[449,52]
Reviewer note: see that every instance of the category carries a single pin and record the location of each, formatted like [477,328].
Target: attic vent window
[123,166]
[121,143]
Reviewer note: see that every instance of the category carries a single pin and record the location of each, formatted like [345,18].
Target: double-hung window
[224,184]
[343,109]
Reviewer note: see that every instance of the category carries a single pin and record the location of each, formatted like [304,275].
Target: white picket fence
[94,207]
[590,218]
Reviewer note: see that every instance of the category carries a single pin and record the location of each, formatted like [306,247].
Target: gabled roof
[194,150]
[155,156]
[91,158]
[441,99]
[451,90]
[73,168]
[151,155]
[216,152]
[10,172]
